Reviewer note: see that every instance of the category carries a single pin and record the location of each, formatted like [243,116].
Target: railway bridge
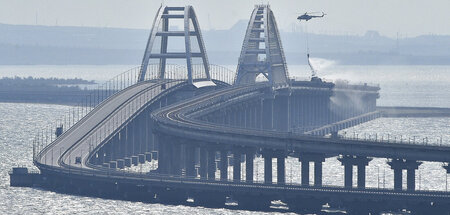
[201,127]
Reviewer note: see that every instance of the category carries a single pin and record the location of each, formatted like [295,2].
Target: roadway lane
[182,120]
[81,138]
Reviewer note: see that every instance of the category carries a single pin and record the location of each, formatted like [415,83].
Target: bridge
[203,126]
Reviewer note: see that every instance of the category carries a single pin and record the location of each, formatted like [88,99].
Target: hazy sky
[407,17]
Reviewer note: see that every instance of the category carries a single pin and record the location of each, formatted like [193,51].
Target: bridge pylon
[160,34]
[262,52]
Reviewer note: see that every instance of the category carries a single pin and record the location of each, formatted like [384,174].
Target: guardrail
[47,135]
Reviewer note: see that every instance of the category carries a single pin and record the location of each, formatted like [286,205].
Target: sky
[403,18]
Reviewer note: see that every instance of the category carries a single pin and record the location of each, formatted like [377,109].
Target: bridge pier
[305,159]
[190,160]
[281,171]
[175,168]
[129,141]
[122,143]
[115,147]
[267,155]
[224,165]
[163,154]
[398,165]
[361,162]
[211,163]
[203,163]
[249,156]
[237,165]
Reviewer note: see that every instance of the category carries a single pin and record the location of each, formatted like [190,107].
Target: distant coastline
[59,45]
[46,91]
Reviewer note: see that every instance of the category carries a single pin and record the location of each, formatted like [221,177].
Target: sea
[419,86]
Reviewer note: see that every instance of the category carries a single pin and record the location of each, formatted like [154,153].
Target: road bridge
[192,122]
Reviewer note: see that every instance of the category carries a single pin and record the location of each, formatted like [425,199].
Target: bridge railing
[96,95]
[399,139]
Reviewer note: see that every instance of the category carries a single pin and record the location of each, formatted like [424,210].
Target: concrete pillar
[122,143]
[249,166]
[190,160]
[141,158]
[398,179]
[411,179]
[361,162]
[224,165]
[318,173]
[134,160]
[281,171]
[107,151]
[267,168]
[203,163]
[127,162]
[305,172]
[410,165]
[176,158]
[348,175]
[236,165]
[361,175]
[120,163]
[128,140]
[162,154]
[211,164]
[281,110]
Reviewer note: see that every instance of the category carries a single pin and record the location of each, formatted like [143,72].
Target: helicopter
[307,16]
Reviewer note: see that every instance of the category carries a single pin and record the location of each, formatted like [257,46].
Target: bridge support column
[249,155]
[305,159]
[100,156]
[129,141]
[190,160]
[122,143]
[203,162]
[281,171]
[176,159]
[211,164]
[267,114]
[224,165]
[163,154]
[318,173]
[398,165]
[361,162]
[236,165]
[108,152]
[348,175]
[361,175]
[267,155]
[305,172]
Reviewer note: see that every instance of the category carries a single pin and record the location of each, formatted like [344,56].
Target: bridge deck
[85,135]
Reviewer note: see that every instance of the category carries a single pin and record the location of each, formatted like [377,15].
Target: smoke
[320,64]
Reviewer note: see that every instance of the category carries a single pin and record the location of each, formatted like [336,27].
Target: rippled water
[18,123]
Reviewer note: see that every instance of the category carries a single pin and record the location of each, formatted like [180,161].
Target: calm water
[401,85]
